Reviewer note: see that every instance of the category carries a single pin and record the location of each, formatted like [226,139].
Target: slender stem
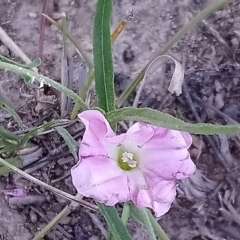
[64,213]
[64,80]
[72,39]
[157,228]
[125,213]
[124,217]
[83,93]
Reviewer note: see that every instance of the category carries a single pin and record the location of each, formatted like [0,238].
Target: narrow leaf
[69,140]
[8,135]
[17,162]
[168,121]
[23,72]
[141,215]
[38,130]
[102,52]
[7,106]
[114,222]
[33,64]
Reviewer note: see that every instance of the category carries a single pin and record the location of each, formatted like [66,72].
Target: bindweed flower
[141,165]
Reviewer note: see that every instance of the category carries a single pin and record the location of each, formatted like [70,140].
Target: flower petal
[97,128]
[151,192]
[100,177]
[167,164]
[149,136]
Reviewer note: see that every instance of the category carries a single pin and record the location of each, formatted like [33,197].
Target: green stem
[124,217]
[83,93]
[157,228]
[125,213]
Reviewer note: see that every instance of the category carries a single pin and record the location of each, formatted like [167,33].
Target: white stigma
[128,158]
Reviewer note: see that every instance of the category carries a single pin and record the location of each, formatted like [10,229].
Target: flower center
[126,161]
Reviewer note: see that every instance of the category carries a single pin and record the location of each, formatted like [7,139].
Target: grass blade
[23,72]
[69,140]
[141,215]
[102,52]
[114,222]
[7,106]
[168,121]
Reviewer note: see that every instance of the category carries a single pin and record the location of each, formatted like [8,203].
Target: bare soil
[208,204]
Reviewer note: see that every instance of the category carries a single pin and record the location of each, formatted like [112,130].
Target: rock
[231,110]
[33,216]
[235,81]
[4,51]
[224,13]
[218,86]
[218,100]
[32,15]
[94,237]
[57,15]
[65,220]
[235,42]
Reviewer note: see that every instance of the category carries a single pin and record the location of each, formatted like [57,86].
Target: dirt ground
[208,205]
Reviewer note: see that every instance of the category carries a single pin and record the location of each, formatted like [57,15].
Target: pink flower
[141,165]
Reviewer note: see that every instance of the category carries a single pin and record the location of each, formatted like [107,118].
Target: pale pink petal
[152,192]
[100,177]
[148,136]
[167,164]
[97,128]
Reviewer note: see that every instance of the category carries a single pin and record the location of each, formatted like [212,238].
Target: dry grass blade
[64,213]
[50,188]
[176,81]
[71,38]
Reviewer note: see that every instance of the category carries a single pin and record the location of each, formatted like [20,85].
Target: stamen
[128,158]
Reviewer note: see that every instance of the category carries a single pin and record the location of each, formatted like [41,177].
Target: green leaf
[39,130]
[114,222]
[141,215]
[43,80]
[8,136]
[7,106]
[102,52]
[17,162]
[33,64]
[168,121]
[69,140]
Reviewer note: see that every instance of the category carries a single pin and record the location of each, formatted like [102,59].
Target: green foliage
[157,118]
[69,140]
[114,222]
[103,65]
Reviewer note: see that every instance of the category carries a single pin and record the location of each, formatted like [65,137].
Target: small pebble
[232,111]
[218,86]
[94,237]
[235,81]
[219,103]
[224,13]
[32,15]
[65,220]
[4,51]
[235,42]
[33,216]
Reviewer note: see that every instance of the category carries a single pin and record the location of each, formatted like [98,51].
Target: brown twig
[46,219]
[42,28]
